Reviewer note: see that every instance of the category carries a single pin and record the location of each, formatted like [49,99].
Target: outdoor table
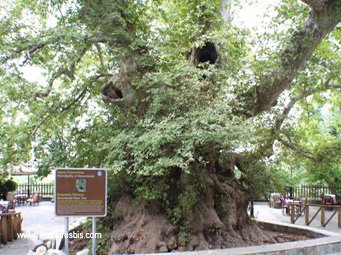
[20,199]
[329,199]
[10,226]
[297,205]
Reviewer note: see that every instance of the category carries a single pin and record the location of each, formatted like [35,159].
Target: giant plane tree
[182,106]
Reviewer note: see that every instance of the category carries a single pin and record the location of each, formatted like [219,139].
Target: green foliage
[183,238]
[318,133]
[181,215]
[103,229]
[101,243]
[7,185]
[183,123]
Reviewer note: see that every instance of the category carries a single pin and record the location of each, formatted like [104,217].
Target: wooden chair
[34,199]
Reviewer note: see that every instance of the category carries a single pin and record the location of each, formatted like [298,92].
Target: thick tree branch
[60,109]
[333,86]
[314,4]
[112,41]
[322,19]
[100,56]
[294,100]
[294,147]
[77,99]
[266,148]
[280,120]
[70,72]
[81,95]
[28,51]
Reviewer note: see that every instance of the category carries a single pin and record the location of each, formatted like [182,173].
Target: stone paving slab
[264,213]
[17,247]
[38,221]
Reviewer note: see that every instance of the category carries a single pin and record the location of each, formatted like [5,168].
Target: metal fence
[312,192]
[46,190]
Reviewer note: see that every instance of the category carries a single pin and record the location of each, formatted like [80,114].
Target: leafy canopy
[183,118]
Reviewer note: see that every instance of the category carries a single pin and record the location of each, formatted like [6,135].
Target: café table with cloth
[20,199]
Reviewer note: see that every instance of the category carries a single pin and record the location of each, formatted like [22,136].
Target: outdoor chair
[34,199]
[285,206]
[275,200]
[329,199]
[10,199]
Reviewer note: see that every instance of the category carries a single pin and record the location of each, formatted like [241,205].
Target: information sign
[81,192]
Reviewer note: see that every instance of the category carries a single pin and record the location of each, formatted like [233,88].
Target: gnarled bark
[218,220]
[118,90]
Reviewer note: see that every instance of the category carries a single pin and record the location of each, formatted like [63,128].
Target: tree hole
[112,92]
[207,53]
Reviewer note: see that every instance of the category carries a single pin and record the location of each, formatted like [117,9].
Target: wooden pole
[292,212]
[323,216]
[15,226]
[4,235]
[306,214]
[19,222]
[339,218]
[10,227]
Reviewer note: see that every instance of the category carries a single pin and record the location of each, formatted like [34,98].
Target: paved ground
[263,212]
[39,222]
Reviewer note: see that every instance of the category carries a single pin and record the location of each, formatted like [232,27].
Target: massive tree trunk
[214,217]
[207,208]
